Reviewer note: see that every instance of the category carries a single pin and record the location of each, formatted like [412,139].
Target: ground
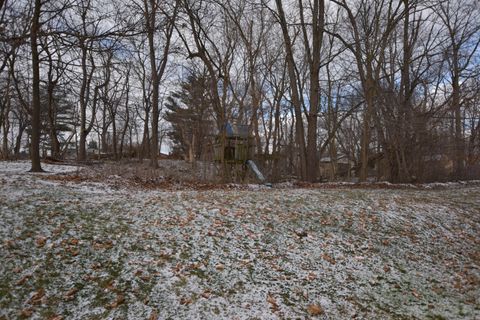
[76,249]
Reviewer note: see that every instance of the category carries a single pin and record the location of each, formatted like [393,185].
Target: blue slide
[255,170]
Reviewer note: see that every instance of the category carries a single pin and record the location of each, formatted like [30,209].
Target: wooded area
[384,89]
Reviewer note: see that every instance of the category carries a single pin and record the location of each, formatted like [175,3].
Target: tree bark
[318,22]
[35,111]
[300,131]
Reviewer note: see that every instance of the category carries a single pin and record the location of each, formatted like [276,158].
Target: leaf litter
[77,249]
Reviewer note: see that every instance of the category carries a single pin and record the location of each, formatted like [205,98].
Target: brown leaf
[153,315]
[56,317]
[206,294]
[219,267]
[27,312]
[145,277]
[315,310]
[415,293]
[329,258]
[23,280]
[273,302]
[58,230]
[457,284]
[89,277]
[311,276]
[70,295]
[110,285]
[37,296]
[40,241]
[98,245]
[120,299]
[386,268]
[96,266]
[9,244]
[185,301]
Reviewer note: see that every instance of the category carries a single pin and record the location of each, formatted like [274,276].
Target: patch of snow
[236,253]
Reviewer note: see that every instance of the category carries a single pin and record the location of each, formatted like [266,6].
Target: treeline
[328,89]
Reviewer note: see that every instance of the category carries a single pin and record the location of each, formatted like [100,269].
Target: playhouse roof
[235,130]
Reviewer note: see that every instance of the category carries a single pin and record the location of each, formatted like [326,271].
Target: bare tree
[371,24]
[36,107]
[462,23]
[158,17]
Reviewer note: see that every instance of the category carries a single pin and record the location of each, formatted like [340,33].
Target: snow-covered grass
[83,250]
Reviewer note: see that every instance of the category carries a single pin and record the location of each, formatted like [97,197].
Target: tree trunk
[6,129]
[300,132]
[114,137]
[318,22]
[5,122]
[365,139]
[55,148]
[145,140]
[84,97]
[18,141]
[127,120]
[459,157]
[35,112]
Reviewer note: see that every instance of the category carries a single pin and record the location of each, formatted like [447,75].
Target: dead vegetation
[181,175]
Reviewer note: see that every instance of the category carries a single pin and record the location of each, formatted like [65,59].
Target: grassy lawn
[88,251]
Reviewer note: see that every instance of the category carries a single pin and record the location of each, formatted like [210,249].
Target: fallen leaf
[315,310]
[273,302]
[37,296]
[219,267]
[300,233]
[145,277]
[70,295]
[153,315]
[40,241]
[27,312]
[89,277]
[185,301]
[386,268]
[329,258]
[120,299]
[98,245]
[206,294]
[415,293]
[23,280]
[110,285]
[311,276]
[10,244]
[457,284]
[55,317]
[96,266]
